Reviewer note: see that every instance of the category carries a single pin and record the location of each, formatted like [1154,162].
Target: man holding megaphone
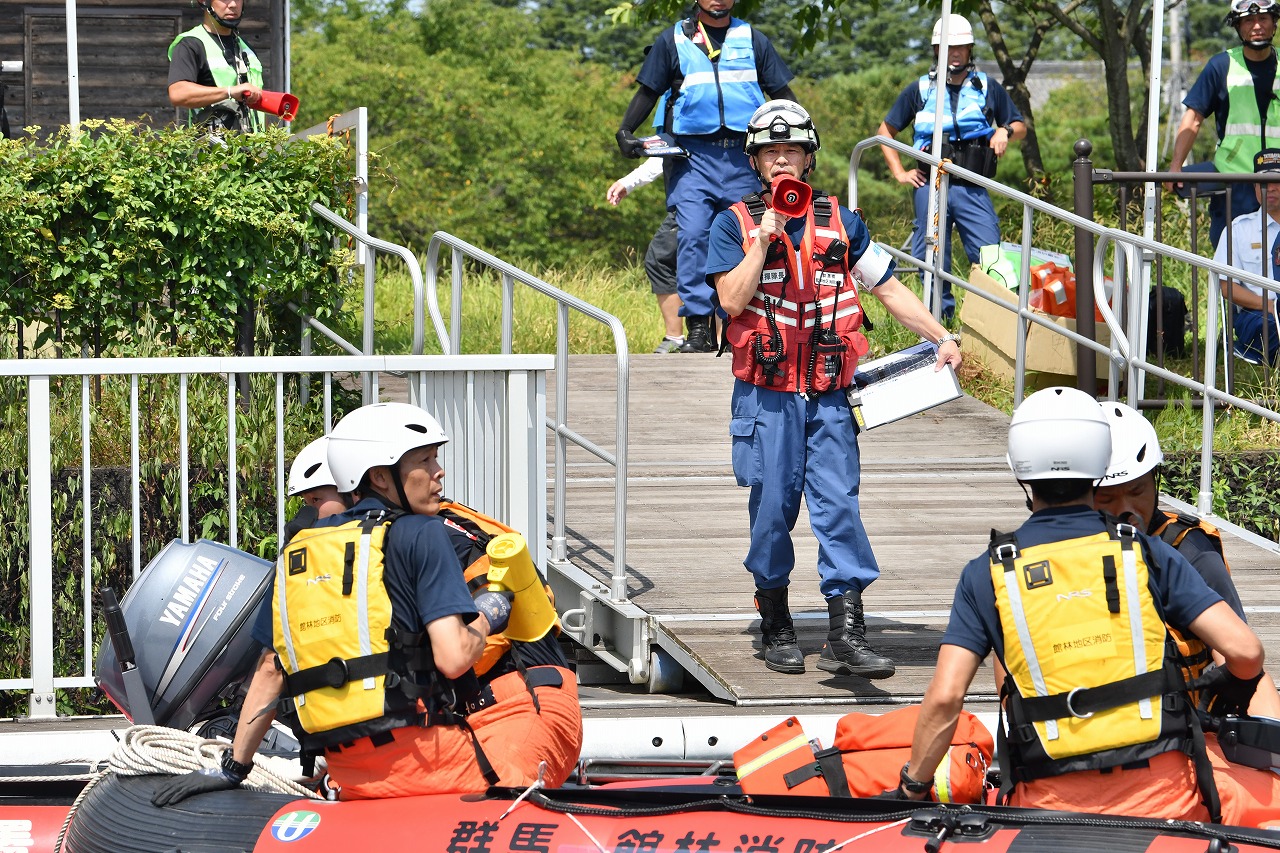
[787,264]
[214,73]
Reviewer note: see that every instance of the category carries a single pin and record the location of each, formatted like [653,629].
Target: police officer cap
[1267,160]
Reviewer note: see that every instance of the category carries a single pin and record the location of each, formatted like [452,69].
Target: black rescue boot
[846,651]
[701,335]
[781,651]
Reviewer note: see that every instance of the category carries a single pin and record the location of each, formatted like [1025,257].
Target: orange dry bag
[868,755]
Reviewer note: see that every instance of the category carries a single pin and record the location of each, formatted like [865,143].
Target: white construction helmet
[378,434]
[779,121]
[1059,434]
[1135,448]
[958,31]
[310,468]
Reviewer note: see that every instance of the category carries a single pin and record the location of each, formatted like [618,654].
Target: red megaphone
[790,197]
[280,104]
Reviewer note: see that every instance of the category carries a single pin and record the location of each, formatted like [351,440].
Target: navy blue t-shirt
[975,622]
[1000,109]
[422,573]
[1208,95]
[724,247]
[661,66]
[1208,563]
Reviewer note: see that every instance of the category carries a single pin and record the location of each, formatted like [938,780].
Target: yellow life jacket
[347,668]
[1173,530]
[1093,680]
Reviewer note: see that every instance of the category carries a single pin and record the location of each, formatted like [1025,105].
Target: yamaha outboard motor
[187,624]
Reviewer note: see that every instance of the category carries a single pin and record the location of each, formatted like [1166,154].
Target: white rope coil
[156,749]
[146,750]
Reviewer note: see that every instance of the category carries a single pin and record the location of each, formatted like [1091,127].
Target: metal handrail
[450,342]
[219,375]
[1132,251]
[415,276]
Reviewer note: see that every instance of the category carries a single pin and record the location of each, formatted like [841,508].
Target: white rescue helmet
[959,32]
[1059,434]
[310,468]
[1238,10]
[1135,448]
[778,121]
[378,434]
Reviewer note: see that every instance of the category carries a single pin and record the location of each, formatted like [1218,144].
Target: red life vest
[799,332]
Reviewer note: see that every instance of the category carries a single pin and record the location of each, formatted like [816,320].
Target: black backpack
[1172,308]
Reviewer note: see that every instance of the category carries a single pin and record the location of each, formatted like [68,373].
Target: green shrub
[126,225]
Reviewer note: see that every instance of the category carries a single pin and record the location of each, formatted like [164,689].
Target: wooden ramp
[932,488]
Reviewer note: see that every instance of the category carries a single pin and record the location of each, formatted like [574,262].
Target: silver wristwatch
[949,336]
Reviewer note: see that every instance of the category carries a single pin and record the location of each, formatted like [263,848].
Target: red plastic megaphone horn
[280,104]
[790,197]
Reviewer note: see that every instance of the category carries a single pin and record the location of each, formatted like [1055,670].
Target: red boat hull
[675,818]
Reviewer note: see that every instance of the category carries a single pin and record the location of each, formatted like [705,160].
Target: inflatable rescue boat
[707,813]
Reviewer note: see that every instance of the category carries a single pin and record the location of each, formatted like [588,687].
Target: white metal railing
[1124,315]
[460,252]
[485,403]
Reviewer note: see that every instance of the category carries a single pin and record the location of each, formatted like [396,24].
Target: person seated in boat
[411,717]
[311,480]
[1074,605]
[1131,492]
[515,668]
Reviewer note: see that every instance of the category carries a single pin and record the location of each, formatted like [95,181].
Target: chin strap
[229,24]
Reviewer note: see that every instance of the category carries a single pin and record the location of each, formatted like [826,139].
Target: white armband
[646,173]
[873,266]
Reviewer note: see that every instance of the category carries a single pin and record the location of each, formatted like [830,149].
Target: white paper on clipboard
[899,385]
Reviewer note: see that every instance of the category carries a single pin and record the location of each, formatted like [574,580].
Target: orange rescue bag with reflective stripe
[865,760]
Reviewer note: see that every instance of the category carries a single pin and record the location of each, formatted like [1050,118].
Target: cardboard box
[899,385]
[991,335]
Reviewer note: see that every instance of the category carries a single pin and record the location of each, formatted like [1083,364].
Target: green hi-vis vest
[1242,135]
[348,670]
[225,75]
[1091,667]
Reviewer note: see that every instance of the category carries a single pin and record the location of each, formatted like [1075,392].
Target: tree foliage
[477,134]
[179,226]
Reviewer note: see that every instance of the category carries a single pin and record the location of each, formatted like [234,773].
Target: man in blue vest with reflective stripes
[979,121]
[214,73]
[1238,88]
[715,70]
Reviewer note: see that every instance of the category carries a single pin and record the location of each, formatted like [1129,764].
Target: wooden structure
[933,486]
[123,66]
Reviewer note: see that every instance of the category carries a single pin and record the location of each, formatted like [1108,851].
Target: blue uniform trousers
[1248,327]
[785,446]
[970,210]
[716,175]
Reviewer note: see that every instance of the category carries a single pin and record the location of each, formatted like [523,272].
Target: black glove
[631,147]
[201,781]
[496,606]
[1230,695]
[893,794]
